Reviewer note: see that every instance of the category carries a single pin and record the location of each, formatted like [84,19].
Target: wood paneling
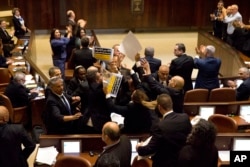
[110,14]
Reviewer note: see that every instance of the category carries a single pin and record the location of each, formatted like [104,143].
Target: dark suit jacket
[97,108]
[137,118]
[3,62]
[194,157]
[83,57]
[207,77]
[176,95]
[6,39]
[154,63]
[121,150]
[12,136]
[167,140]
[75,88]
[183,66]
[17,26]
[55,110]
[18,94]
[243,91]
[156,76]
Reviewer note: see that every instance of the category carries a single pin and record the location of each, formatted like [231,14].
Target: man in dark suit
[97,113]
[174,88]
[8,43]
[60,117]
[117,145]
[12,137]
[153,62]
[182,65]
[84,55]
[162,75]
[243,90]
[208,67]
[18,94]
[168,137]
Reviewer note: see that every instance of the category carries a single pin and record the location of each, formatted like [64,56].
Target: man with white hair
[229,19]
[208,67]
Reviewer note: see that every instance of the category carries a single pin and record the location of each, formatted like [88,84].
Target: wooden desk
[224,141]
[242,123]
[90,142]
[91,159]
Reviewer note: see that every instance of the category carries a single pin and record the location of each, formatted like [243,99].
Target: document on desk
[224,155]
[246,118]
[46,155]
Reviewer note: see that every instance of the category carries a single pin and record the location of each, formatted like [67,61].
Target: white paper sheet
[46,155]
[130,46]
[224,155]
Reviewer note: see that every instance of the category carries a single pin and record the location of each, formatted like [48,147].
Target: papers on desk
[117,118]
[224,155]
[46,155]
[246,118]
[18,63]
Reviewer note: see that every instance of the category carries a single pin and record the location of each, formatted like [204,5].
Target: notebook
[206,111]
[71,146]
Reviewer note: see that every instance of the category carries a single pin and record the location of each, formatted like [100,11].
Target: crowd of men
[150,98]
[228,25]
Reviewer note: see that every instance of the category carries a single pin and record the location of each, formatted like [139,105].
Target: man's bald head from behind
[110,132]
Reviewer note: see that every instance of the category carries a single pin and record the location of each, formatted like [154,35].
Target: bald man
[162,75]
[243,90]
[174,88]
[12,137]
[117,145]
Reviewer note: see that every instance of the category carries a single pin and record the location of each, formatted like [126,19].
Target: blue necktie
[66,104]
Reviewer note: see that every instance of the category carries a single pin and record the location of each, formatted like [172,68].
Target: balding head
[244,73]
[234,8]
[176,82]
[110,132]
[92,69]
[4,115]
[163,72]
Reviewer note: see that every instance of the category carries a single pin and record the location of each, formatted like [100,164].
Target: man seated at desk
[4,62]
[117,145]
[18,94]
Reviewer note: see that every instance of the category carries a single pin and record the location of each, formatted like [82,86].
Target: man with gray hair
[208,67]
[153,62]
[16,91]
[243,90]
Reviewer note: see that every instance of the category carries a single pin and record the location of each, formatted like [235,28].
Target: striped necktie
[66,103]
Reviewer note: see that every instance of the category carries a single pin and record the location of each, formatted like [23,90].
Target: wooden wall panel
[109,14]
